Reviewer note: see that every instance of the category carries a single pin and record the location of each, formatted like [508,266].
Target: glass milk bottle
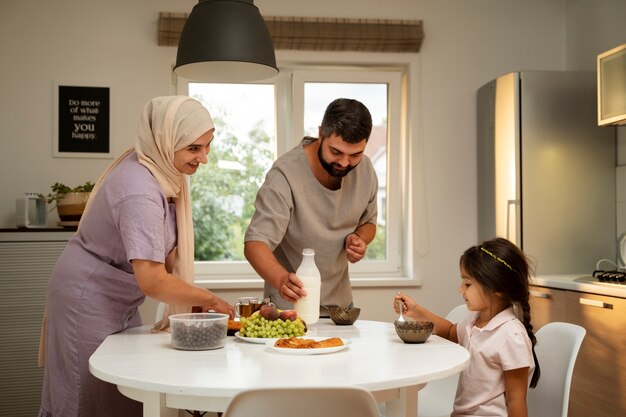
[308,308]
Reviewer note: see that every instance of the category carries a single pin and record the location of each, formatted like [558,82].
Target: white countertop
[569,282]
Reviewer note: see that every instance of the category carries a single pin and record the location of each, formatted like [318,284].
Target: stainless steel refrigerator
[546,171]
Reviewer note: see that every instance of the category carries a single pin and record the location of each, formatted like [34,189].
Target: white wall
[76,41]
[468,42]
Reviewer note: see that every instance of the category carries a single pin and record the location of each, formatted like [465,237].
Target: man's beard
[331,167]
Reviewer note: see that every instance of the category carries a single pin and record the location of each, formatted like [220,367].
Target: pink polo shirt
[501,345]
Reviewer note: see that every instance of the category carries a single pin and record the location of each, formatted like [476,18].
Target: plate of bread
[308,345]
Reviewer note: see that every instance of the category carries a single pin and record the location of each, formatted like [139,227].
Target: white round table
[146,368]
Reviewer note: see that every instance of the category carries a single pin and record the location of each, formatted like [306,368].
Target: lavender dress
[93,293]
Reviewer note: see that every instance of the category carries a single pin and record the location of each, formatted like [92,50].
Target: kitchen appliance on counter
[546,171]
[614,278]
[30,211]
[605,278]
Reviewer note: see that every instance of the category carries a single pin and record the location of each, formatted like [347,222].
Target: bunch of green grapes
[258,326]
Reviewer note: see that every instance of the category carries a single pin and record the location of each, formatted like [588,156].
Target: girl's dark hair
[347,118]
[501,267]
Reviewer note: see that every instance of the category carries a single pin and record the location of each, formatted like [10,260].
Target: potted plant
[70,202]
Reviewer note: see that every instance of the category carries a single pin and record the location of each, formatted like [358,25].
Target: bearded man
[319,195]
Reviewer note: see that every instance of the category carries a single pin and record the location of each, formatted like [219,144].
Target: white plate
[258,340]
[316,351]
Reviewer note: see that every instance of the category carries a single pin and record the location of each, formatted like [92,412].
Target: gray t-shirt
[294,211]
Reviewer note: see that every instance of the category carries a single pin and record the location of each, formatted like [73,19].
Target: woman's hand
[220,306]
[154,281]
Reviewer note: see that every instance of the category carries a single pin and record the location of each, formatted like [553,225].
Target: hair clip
[497,258]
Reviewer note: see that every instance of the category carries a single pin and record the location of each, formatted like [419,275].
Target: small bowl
[414,331]
[343,316]
[198,331]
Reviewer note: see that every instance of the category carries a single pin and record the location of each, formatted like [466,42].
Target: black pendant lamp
[225,41]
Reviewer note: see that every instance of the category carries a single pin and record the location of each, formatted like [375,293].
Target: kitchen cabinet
[547,305]
[599,384]
[599,380]
[26,261]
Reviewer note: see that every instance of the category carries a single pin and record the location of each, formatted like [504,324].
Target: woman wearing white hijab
[135,239]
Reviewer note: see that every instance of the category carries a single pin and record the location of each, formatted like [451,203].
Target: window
[223,190]
[257,122]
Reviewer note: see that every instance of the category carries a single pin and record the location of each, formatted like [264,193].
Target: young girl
[497,331]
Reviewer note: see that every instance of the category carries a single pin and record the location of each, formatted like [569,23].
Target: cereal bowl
[343,316]
[414,331]
[198,331]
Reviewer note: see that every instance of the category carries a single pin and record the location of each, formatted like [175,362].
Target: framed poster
[82,121]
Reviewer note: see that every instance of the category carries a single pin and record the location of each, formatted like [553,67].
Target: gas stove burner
[612,277]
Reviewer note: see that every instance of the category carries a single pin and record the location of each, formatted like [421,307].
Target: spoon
[401,318]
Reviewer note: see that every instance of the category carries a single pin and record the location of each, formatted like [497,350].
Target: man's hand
[355,247]
[291,288]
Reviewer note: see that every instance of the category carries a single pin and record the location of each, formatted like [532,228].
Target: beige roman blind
[321,34]
[170,26]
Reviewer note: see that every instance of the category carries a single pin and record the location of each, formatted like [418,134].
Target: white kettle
[31,211]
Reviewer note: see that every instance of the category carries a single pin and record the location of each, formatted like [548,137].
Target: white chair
[557,348]
[303,402]
[457,313]
[436,399]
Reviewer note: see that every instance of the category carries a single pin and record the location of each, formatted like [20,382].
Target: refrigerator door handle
[510,203]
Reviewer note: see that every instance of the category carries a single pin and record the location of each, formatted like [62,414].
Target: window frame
[292,63]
